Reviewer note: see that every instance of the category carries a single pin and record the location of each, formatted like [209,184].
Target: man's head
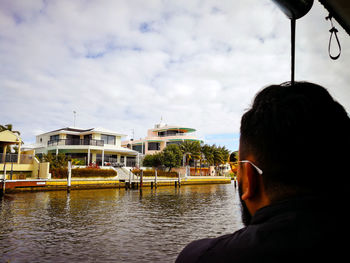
[298,135]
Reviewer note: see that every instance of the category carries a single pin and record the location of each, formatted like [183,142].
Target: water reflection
[114,225]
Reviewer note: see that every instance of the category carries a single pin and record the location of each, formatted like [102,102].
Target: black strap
[334,32]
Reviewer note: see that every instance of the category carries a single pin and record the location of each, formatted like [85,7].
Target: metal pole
[74,112]
[141,179]
[4,183]
[130,179]
[69,175]
[11,173]
[155,178]
[292,24]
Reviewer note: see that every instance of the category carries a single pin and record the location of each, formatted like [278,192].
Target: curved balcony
[75,142]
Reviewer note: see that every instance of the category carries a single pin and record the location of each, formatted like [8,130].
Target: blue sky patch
[229,140]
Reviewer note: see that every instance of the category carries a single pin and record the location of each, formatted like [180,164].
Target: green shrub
[62,173]
[152,173]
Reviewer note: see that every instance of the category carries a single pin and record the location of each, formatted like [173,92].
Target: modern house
[88,146]
[161,136]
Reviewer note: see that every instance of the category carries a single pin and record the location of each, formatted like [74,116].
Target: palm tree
[221,155]
[225,154]
[207,154]
[191,149]
[8,127]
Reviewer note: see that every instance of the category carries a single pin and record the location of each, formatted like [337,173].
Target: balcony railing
[177,134]
[13,158]
[75,142]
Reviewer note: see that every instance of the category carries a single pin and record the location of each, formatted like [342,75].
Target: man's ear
[250,182]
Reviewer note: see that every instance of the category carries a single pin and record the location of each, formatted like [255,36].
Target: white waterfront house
[89,146]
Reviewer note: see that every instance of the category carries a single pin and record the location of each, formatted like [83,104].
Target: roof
[105,131]
[32,146]
[9,137]
[174,127]
[340,10]
[75,130]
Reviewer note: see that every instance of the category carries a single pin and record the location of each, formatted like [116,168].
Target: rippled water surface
[113,225]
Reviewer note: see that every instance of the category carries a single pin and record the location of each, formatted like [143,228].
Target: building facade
[18,164]
[161,136]
[88,146]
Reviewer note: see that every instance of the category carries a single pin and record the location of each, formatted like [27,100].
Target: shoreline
[15,186]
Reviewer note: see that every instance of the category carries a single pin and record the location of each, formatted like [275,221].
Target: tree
[8,127]
[225,154]
[208,153]
[171,156]
[59,161]
[153,160]
[191,149]
[220,155]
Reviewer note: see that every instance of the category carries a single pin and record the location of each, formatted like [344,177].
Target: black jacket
[294,230]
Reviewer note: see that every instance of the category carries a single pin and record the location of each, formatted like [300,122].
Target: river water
[114,225]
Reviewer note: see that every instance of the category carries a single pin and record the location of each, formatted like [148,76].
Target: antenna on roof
[133,134]
[74,112]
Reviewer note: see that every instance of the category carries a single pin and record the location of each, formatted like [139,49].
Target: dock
[13,186]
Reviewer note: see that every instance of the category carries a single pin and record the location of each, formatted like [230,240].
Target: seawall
[13,186]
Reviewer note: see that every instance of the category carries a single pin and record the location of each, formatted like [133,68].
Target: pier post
[130,178]
[69,177]
[4,181]
[151,185]
[11,172]
[5,170]
[155,179]
[179,179]
[141,179]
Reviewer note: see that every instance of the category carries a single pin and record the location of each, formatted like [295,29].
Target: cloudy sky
[125,64]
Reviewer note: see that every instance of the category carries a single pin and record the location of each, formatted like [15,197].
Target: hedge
[62,173]
[152,173]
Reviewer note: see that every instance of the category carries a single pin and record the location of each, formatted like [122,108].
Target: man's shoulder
[202,250]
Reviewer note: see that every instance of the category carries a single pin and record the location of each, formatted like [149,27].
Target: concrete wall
[44,170]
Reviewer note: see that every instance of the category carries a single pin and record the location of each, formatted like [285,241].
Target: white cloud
[124,64]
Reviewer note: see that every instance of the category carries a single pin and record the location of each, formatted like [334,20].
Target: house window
[139,148]
[153,146]
[108,139]
[72,139]
[54,137]
[168,133]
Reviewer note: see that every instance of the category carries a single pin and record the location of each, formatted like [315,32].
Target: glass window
[54,137]
[153,146]
[108,139]
[138,148]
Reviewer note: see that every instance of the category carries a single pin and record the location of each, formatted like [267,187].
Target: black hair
[299,136]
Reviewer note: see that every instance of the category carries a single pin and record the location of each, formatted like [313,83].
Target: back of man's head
[299,136]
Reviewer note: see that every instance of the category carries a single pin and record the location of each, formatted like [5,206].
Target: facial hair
[246,217]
